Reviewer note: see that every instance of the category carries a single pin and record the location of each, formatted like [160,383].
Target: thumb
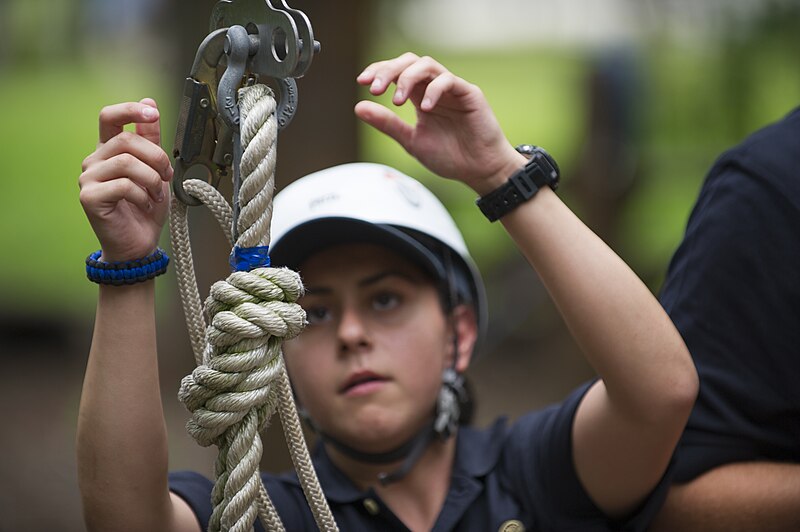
[385,121]
[150,130]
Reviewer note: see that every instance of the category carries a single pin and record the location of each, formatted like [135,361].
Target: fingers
[128,156]
[114,117]
[413,81]
[128,168]
[138,147]
[150,130]
[379,75]
[423,80]
[385,121]
[406,71]
[446,83]
[95,195]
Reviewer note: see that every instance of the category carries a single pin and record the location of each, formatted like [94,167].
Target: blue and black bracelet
[128,272]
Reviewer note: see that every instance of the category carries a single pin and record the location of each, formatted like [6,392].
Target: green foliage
[49,126]
[696,102]
[700,102]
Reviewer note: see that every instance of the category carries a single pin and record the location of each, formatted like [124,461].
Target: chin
[380,432]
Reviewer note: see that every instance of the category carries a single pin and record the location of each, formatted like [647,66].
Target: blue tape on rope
[246,259]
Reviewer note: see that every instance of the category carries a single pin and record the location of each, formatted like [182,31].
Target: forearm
[121,440]
[614,318]
[753,496]
[627,425]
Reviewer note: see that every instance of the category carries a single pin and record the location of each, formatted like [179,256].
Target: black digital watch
[540,170]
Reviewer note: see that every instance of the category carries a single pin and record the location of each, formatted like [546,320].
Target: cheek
[426,340]
[305,371]
[423,352]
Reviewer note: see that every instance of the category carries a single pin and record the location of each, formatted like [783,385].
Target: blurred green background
[699,80]
[635,99]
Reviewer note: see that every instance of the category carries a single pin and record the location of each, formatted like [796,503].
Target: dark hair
[455,285]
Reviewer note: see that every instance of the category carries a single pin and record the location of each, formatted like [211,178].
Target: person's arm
[749,496]
[627,425]
[121,437]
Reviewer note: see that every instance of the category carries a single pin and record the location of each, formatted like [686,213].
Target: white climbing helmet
[373,203]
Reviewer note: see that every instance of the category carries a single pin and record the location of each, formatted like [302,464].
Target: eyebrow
[384,274]
[367,281]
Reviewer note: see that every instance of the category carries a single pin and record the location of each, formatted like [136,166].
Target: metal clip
[255,39]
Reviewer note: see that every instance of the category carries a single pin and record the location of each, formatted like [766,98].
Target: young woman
[394,307]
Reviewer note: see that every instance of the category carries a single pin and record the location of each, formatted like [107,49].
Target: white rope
[241,379]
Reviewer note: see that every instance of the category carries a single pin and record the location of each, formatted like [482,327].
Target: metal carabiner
[258,39]
[199,132]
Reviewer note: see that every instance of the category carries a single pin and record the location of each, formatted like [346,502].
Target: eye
[385,301]
[317,314]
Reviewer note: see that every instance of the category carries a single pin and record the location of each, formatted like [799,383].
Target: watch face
[553,178]
[526,149]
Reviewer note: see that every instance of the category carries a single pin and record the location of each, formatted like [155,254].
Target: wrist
[111,255]
[521,185]
[123,292]
[512,163]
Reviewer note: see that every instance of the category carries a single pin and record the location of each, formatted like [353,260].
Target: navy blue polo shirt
[520,472]
[733,292]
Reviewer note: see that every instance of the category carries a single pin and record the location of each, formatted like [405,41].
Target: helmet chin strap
[409,452]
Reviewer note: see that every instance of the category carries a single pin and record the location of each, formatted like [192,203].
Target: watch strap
[540,170]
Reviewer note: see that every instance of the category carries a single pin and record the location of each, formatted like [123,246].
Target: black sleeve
[195,489]
[733,291]
[287,498]
[539,462]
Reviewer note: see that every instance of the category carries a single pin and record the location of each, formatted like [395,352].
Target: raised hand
[125,182]
[456,134]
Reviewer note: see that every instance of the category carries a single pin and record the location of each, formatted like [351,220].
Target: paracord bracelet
[128,272]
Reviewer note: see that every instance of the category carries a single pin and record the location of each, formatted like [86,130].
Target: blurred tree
[747,48]
[610,155]
[38,32]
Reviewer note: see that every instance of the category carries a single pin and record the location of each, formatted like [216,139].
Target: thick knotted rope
[233,395]
[241,378]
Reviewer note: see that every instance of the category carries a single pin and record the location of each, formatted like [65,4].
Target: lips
[362,382]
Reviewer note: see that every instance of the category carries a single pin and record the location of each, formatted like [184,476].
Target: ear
[465,326]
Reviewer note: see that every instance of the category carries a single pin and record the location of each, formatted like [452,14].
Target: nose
[352,331]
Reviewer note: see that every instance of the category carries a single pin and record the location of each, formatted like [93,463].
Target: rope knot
[251,313]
